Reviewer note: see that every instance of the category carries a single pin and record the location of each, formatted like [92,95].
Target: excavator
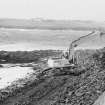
[68,58]
[67,63]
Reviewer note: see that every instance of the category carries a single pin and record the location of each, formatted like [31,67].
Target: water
[28,40]
[11,74]
[24,39]
[29,47]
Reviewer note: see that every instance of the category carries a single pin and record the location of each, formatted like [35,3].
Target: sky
[54,9]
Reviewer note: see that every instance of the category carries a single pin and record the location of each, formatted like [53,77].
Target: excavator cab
[60,62]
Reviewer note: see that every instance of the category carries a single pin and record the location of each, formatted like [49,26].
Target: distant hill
[51,24]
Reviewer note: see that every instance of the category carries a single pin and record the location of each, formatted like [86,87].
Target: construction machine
[67,63]
[68,58]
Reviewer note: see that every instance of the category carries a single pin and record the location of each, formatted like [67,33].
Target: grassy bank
[26,56]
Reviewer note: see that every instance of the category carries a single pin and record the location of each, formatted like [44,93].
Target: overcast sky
[54,9]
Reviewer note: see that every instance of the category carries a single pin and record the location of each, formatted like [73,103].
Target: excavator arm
[76,43]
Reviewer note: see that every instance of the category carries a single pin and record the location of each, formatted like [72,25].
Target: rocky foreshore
[56,87]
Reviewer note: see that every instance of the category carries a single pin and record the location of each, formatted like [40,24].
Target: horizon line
[50,19]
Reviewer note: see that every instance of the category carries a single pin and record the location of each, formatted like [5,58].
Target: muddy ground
[79,85]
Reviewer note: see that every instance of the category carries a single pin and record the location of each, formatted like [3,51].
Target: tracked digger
[68,58]
[67,63]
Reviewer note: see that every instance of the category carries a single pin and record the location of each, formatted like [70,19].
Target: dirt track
[35,94]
